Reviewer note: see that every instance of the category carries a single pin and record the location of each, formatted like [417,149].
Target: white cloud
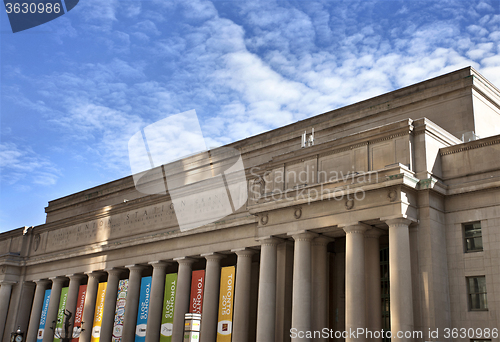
[17,163]
[483,6]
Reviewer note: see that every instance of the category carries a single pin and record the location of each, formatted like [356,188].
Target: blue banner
[43,317]
[142,315]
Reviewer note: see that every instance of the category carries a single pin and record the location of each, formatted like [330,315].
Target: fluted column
[209,313]
[74,285]
[55,296]
[355,279]
[319,294]
[400,278]
[156,302]
[108,312]
[89,307]
[266,306]
[134,288]
[181,297]
[36,309]
[5,292]
[242,295]
[373,311]
[301,294]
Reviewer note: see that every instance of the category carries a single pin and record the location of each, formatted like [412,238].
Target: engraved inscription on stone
[113,227]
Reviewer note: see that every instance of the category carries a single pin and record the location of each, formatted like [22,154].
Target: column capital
[41,282]
[321,240]
[303,235]
[94,274]
[184,260]
[212,256]
[243,252]
[269,240]
[114,271]
[355,227]
[58,279]
[374,233]
[159,264]
[75,276]
[398,221]
[135,268]
[7,282]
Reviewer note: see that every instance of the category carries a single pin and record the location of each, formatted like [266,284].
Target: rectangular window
[473,237]
[477,293]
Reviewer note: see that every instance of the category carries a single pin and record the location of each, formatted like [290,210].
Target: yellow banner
[99,308]
[225,323]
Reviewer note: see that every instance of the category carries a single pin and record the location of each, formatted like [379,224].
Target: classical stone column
[5,291]
[400,277]
[89,307]
[355,279]
[242,295]
[133,292]
[209,312]
[301,297]
[108,312]
[266,306]
[156,301]
[319,293]
[284,290]
[74,285]
[373,311]
[55,296]
[36,309]
[181,297]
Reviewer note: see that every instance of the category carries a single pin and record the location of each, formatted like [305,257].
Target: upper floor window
[477,293]
[473,237]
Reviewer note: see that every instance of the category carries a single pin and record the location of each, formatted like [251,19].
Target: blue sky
[75,90]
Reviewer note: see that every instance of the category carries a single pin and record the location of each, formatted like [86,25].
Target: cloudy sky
[75,90]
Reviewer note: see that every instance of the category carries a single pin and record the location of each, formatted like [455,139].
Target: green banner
[167,317]
[60,312]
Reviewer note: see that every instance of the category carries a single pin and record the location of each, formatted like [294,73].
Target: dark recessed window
[473,237]
[477,293]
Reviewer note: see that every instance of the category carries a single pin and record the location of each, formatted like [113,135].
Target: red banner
[79,309]
[197,285]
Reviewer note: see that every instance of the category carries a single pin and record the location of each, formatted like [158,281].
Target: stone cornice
[471,145]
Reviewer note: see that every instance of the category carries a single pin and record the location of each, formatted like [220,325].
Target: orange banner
[196,300]
[99,307]
[225,323]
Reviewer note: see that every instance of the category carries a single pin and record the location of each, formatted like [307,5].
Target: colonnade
[309,291]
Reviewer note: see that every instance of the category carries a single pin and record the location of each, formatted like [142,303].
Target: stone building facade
[389,220]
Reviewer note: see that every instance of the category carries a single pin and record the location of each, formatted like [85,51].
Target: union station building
[382,216]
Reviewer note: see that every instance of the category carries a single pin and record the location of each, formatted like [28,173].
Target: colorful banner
[225,323]
[99,308]
[121,301]
[80,303]
[197,285]
[142,315]
[60,313]
[167,318]
[43,317]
